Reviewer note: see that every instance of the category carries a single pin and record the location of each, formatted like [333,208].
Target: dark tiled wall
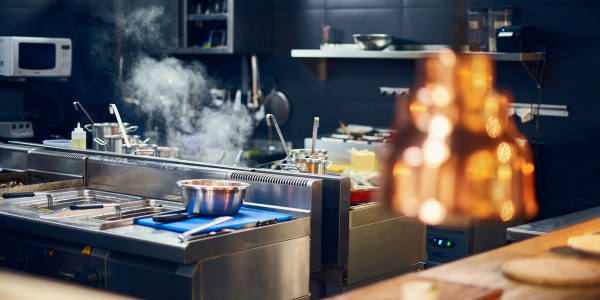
[567,149]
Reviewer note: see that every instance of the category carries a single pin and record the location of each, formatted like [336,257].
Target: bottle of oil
[78,138]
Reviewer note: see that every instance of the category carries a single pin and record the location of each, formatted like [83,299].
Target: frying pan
[277,104]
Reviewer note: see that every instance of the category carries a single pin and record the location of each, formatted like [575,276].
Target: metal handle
[86,127]
[131,128]
[99,141]
[85,112]
[289,166]
[186,235]
[287,152]
[113,110]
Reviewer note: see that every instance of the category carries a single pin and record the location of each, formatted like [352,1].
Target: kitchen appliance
[35,56]
[16,129]
[103,248]
[460,237]
[516,38]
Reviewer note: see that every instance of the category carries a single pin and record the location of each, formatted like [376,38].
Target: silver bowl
[372,41]
[212,197]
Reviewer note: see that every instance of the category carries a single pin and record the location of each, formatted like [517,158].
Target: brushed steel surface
[14,156]
[278,264]
[54,161]
[384,246]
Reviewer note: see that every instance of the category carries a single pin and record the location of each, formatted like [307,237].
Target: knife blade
[186,235]
[228,230]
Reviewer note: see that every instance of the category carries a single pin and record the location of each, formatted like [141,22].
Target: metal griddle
[36,181]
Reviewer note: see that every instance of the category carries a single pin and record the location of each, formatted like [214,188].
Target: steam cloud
[175,94]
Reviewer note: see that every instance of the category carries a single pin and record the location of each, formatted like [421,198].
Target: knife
[257,224]
[186,235]
[228,230]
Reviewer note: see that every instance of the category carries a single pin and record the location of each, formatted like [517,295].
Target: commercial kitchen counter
[482,273]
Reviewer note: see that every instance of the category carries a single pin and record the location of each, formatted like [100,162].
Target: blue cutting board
[243,217]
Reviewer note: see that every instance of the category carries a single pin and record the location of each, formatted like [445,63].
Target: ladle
[221,157]
[287,152]
[85,112]
[113,110]
[314,136]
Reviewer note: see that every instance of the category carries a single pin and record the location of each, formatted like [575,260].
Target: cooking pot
[307,153]
[308,165]
[114,142]
[212,197]
[169,152]
[139,149]
[101,130]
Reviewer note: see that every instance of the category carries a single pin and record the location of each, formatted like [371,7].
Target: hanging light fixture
[456,151]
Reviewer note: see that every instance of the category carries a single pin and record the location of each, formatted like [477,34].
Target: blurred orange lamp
[456,152]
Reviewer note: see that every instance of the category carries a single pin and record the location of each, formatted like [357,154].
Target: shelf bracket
[535,67]
[317,65]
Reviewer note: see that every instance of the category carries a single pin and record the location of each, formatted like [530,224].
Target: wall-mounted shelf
[223,27]
[316,59]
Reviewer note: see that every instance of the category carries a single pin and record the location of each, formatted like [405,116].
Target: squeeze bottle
[78,137]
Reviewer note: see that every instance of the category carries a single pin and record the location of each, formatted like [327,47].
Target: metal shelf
[316,59]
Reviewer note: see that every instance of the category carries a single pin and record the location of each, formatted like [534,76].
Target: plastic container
[478,29]
[57,143]
[78,138]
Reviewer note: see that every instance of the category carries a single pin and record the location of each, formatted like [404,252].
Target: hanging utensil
[314,135]
[287,152]
[277,104]
[113,110]
[85,112]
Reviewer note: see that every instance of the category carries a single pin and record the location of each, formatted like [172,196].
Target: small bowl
[212,197]
[372,41]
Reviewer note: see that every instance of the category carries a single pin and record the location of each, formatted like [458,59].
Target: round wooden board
[554,271]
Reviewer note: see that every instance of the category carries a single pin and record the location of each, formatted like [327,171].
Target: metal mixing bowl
[212,197]
[372,41]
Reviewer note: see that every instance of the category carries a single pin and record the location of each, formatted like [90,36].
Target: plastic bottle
[78,138]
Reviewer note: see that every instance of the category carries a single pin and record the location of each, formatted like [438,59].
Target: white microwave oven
[35,56]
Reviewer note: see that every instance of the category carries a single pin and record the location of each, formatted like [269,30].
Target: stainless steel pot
[307,153]
[139,149]
[101,130]
[212,197]
[308,165]
[169,152]
[114,142]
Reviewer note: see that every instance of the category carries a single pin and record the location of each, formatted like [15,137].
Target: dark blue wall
[567,164]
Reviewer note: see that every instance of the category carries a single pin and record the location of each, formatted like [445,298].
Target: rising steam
[175,94]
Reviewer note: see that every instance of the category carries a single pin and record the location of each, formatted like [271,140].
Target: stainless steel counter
[153,263]
[529,230]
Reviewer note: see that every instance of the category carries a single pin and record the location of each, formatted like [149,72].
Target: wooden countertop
[485,270]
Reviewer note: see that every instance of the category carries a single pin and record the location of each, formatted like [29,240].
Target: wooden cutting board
[554,271]
[448,290]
